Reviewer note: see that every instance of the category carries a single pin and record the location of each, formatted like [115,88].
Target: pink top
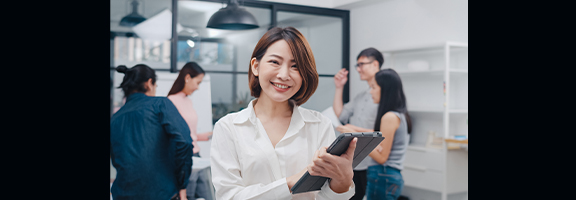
[185,108]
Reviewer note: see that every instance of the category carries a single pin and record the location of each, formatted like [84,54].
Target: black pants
[360,182]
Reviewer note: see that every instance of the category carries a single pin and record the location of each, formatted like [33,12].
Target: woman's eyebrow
[280,57]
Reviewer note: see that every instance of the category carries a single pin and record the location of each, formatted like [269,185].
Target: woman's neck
[182,93]
[265,107]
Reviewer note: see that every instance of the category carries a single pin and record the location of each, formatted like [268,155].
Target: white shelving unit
[437,100]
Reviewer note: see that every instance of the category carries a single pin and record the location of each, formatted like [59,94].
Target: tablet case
[365,144]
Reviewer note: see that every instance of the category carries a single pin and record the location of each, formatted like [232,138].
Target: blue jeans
[384,182]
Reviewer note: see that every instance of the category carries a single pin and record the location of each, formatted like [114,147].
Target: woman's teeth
[281,86]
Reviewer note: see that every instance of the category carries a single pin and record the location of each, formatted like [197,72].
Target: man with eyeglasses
[359,114]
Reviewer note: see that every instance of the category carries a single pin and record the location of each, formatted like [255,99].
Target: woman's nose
[284,73]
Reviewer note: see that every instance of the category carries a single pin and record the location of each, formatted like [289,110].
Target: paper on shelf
[329,112]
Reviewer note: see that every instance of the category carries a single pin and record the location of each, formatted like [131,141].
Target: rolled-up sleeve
[175,126]
[326,193]
[347,111]
[227,175]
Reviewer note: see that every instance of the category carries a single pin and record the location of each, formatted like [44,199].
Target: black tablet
[365,144]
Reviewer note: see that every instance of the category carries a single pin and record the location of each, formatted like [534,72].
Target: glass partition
[324,34]
[224,54]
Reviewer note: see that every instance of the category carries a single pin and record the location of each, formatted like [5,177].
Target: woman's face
[374,90]
[277,72]
[192,84]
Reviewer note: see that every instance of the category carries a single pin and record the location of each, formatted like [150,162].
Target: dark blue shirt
[151,149]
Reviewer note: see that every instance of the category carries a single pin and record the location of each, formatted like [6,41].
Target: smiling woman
[261,151]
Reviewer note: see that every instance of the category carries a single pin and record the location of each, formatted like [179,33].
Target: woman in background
[150,145]
[261,151]
[186,83]
[384,178]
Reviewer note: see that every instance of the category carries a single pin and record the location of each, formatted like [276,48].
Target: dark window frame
[275,8]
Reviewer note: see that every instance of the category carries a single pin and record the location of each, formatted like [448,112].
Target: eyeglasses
[360,64]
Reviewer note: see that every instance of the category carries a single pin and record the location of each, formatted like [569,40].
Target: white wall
[391,24]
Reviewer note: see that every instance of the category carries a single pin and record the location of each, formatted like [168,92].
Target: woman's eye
[294,67]
[275,62]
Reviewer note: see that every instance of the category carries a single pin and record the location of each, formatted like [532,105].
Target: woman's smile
[280,87]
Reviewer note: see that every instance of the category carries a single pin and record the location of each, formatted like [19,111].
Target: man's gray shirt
[361,111]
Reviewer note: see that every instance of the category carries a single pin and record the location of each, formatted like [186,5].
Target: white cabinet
[435,82]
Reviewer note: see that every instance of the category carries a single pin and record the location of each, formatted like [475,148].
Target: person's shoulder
[228,119]
[390,116]
[226,125]
[309,111]
[362,95]
[171,97]
[312,115]
[161,99]
[162,102]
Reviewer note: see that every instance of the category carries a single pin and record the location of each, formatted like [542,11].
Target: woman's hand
[345,129]
[291,180]
[204,136]
[338,168]
[182,194]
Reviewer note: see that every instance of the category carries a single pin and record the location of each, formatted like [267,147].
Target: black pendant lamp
[232,18]
[133,18]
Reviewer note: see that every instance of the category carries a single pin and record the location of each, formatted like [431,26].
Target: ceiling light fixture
[232,17]
[133,18]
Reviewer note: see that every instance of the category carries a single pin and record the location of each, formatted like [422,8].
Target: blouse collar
[297,116]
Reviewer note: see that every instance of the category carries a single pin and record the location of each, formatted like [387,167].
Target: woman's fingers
[321,163]
[316,170]
[332,166]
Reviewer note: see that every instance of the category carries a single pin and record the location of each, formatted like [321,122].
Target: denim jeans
[384,182]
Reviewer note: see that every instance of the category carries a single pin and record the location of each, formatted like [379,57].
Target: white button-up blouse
[245,165]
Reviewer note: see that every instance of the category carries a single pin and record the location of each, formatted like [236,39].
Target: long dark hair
[392,96]
[135,78]
[191,68]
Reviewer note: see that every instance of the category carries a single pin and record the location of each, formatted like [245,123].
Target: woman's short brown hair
[302,56]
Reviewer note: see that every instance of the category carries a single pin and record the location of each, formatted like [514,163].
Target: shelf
[459,71]
[431,110]
[423,149]
[425,110]
[456,144]
[426,47]
[464,141]
[431,72]
[458,111]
